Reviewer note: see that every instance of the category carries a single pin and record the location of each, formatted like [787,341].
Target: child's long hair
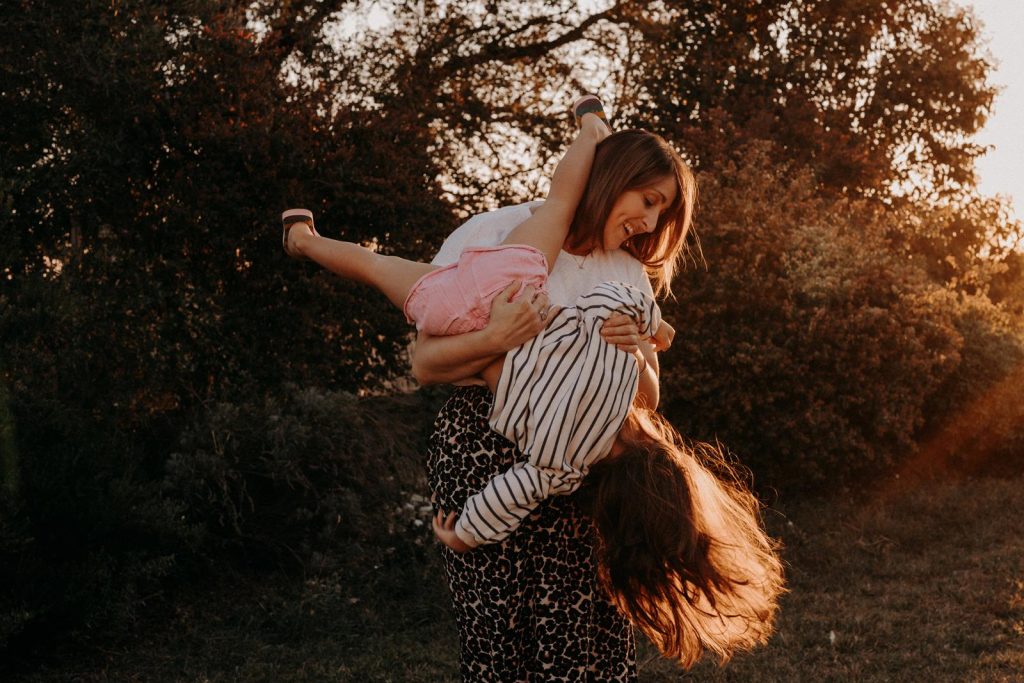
[681,547]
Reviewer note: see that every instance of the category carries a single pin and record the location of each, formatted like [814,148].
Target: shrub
[289,476]
[976,416]
[304,479]
[806,346]
[86,539]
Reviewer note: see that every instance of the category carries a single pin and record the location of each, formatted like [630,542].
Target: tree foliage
[808,346]
[876,98]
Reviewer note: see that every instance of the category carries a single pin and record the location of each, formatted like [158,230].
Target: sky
[1001,170]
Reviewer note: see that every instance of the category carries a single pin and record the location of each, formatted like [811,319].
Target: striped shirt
[561,399]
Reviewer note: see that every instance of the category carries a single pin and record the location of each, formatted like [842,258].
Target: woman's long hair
[629,160]
[681,548]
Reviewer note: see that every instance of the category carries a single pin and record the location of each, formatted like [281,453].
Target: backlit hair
[630,160]
[681,549]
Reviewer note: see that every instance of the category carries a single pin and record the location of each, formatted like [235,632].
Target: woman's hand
[662,339]
[514,323]
[439,360]
[444,529]
[622,331]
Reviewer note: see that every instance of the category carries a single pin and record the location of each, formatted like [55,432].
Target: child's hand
[444,529]
[662,339]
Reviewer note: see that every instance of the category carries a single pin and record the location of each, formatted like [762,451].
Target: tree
[877,98]
[147,152]
[148,148]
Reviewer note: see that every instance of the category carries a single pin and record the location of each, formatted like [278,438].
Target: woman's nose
[650,221]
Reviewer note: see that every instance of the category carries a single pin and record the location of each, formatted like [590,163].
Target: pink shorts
[457,298]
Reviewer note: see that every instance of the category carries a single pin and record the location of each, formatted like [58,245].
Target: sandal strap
[589,104]
[289,219]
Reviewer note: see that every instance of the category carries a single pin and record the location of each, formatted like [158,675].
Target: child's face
[636,212]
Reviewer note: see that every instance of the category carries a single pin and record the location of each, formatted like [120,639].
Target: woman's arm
[622,331]
[441,360]
[649,390]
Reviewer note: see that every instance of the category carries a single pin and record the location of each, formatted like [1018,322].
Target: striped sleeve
[618,297]
[495,512]
[561,398]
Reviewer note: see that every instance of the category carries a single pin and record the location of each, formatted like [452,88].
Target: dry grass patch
[912,583]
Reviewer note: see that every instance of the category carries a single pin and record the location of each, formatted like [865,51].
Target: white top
[561,399]
[571,276]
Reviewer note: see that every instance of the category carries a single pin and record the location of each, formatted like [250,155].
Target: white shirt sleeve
[482,230]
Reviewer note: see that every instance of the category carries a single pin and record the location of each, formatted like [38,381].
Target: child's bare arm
[549,225]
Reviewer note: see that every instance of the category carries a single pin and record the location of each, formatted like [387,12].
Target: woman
[531,607]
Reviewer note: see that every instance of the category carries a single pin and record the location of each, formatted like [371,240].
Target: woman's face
[636,211]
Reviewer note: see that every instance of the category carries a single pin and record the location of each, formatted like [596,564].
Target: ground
[917,582]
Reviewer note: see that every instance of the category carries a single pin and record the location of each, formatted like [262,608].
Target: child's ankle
[593,125]
[588,104]
[298,237]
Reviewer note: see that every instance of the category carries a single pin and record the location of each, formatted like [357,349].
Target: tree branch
[506,53]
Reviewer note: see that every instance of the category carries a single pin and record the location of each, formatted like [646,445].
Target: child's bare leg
[549,225]
[390,275]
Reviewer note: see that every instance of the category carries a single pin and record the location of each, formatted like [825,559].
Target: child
[694,570]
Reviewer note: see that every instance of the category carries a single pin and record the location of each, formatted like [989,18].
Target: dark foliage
[284,477]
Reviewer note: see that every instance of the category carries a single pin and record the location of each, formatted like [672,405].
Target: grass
[911,584]
[907,584]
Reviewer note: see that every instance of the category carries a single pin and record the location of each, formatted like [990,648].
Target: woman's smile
[637,211]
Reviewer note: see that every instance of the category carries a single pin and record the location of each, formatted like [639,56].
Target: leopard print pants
[530,608]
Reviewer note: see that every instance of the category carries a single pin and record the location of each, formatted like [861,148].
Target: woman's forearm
[649,388]
[443,360]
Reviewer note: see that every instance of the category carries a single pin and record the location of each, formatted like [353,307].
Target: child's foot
[589,104]
[302,221]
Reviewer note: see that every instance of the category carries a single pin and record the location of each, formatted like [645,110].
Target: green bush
[807,346]
[289,476]
[87,539]
[976,416]
[302,480]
